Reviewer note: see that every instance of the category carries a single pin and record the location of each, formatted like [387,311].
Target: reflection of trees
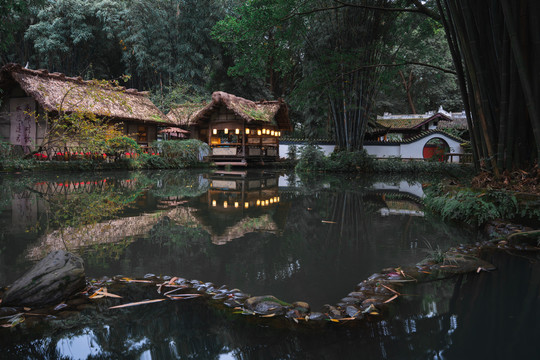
[179,184]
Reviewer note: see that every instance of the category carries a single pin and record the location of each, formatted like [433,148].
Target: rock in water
[58,276]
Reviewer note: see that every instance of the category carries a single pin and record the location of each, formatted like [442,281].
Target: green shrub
[183,152]
[351,161]
[122,144]
[6,150]
[312,159]
[469,206]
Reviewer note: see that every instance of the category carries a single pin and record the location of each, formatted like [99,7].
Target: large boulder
[55,278]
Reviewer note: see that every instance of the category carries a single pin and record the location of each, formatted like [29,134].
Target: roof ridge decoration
[58,92]
[417,137]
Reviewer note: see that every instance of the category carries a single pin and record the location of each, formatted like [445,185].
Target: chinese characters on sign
[23,124]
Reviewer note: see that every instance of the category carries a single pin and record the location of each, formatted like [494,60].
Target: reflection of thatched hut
[25,91]
[238,130]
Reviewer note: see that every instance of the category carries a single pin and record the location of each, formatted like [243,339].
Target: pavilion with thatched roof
[238,130]
[25,92]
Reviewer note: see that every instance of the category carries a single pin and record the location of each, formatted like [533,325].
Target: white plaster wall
[405,151]
[381,151]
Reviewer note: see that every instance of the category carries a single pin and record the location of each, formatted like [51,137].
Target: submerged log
[54,279]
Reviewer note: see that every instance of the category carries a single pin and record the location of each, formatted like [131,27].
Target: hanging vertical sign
[23,123]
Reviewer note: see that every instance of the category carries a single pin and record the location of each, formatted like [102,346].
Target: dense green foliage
[322,56]
[470,206]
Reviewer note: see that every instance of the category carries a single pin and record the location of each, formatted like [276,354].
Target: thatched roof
[406,122]
[261,111]
[57,92]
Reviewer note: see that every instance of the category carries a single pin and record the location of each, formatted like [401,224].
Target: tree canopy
[336,62]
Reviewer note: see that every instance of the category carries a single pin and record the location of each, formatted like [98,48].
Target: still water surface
[298,238]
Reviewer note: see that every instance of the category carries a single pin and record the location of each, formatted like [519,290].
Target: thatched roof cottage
[25,92]
[238,130]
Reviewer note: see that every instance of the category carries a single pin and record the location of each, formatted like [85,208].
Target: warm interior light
[258,132]
[214,131]
[246,204]
[236,204]
[226,131]
[247,131]
[225,204]
[214,203]
[237,131]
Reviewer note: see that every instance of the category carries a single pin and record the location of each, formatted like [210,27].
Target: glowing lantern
[258,202]
[225,204]
[246,204]
[214,131]
[236,204]
[247,131]
[237,131]
[214,203]
[259,132]
[272,132]
[226,131]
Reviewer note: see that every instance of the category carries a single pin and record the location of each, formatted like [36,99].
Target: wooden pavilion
[239,131]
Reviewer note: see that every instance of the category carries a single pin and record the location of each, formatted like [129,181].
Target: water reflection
[484,316]
[314,240]
[306,238]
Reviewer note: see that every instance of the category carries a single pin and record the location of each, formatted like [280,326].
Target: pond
[308,238]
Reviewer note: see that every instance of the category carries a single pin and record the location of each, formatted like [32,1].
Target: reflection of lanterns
[258,202]
[236,204]
[225,204]
[214,131]
[259,132]
[237,131]
[272,132]
[247,131]
[246,204]
[226,131]
[214,203]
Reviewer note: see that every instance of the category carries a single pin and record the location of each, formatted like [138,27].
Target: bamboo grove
[495,45]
